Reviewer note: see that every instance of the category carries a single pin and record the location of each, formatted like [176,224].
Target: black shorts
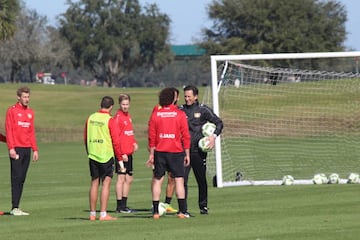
[128,165]
[101,170]
[169,162]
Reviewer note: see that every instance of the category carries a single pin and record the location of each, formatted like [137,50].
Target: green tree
[275,26]
[112,37]
[8,13]
[34,45]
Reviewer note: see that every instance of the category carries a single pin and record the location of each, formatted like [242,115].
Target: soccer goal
[285,114]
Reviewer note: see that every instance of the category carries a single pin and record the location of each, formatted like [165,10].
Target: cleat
[125,210]
[188,215]
[92,218]
[107,218]
[2,213]
[184,215]
[181,215]
[169,208]
[18,212]
[204,210]
[156,216]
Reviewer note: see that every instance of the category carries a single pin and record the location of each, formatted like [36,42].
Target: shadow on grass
[138,213]
[119,217]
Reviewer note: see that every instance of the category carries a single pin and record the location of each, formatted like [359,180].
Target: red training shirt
[127,138]
[168,130]
[19,126]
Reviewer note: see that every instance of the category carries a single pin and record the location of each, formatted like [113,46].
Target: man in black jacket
[197,115]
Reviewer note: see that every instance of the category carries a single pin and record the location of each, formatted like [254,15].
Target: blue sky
[189,17]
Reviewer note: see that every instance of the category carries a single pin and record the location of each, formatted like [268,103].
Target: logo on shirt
[29,115]
[167,114]
[167,135]
[96,123]
[197,115]
[129,133]
[24,124]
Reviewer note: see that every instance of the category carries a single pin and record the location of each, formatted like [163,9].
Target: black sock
[124,202]
[168,200]
[155,207]
[182,205]
[118,204]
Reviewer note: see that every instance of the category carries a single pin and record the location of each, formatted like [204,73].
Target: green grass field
[56,191]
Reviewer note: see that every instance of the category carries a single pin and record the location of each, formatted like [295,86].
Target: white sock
[92,213]
[103,214]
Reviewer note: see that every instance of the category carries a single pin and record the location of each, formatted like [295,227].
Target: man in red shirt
[2,139]
[20,139]
[128,147]
[170,187]
[168,138]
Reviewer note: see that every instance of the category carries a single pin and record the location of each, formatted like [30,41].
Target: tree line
[121,43]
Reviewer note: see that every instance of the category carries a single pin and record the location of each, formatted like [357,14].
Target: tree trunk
[14,70]
[113,69]
[30,73]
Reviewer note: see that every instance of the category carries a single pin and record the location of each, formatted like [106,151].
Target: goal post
[284,114]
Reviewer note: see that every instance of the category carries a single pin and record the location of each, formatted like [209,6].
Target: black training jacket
[198,115]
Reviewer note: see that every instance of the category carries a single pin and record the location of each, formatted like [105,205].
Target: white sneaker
[18,212]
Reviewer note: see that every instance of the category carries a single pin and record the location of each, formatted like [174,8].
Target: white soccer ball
[204,144]
[162,209]
[353,178]
[334,178]
[208,129]
[320,178]
[288,180]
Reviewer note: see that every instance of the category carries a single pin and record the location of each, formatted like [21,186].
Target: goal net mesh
[287,121]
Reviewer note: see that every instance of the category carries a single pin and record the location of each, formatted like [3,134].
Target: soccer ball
[287,180]
[162,209]
[353,178]
[204,143]
[334,178]
[320,178]
[208,129]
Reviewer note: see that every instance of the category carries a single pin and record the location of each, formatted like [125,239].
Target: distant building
[187,67]
[187,52]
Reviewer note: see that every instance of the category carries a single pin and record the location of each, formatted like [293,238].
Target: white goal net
[285,114]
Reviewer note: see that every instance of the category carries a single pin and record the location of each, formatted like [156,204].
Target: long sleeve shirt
[197,115]
[168,130]
[19,126]
[127,137]
[114,134]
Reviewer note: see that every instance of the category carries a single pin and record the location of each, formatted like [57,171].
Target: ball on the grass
[208,129]
[288,180]
[320,178]
[204,144]
[161,210]
[334,178]
[353,178]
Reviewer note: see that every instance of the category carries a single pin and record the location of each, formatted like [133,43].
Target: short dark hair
[176,90]
[166,96]
[107,102]
[192,88]
[22,90]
